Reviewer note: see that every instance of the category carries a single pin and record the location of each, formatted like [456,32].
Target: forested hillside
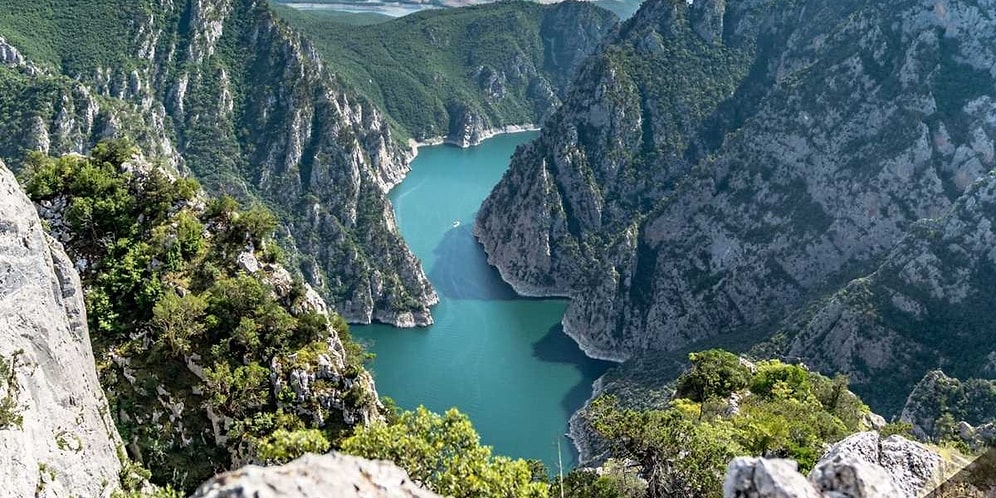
[457,73]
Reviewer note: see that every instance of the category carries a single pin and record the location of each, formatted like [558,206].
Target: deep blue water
[501,359]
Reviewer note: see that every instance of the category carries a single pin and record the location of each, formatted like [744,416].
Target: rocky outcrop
[749,477]
[942,407]
[861,466]
[166,403]
[57,438]
[718,166]
[312,476]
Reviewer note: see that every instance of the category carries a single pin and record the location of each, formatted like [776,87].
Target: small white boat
[456,223]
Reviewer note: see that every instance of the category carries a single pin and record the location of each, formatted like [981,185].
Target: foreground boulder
[56,437]
[862,466]
[312,476]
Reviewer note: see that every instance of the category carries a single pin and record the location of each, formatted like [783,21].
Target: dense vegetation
[93,35]
[183,333]
[426,68]
[443,452]
[725,407]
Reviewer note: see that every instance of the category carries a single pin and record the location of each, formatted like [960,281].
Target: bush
[683,448]
[714,374]
[444,453]
[283,446]
[776,379]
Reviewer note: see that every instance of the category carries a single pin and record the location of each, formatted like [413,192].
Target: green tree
[607,483]
[714,374]
[444,453]
[678,457]
[284,445]
[774,378]
[178,320]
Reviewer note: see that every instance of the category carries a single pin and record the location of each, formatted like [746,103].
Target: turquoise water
[499,358]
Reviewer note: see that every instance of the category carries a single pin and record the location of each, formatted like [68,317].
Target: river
[500,358]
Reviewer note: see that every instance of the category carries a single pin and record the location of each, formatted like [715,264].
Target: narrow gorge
[721,248]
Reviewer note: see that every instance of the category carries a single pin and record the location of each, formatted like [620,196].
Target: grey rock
[9,54]
[67,444]
[965,431]
[911,465]
[860,466]
[316,476]
[848,475]
[987,432]
[765,478]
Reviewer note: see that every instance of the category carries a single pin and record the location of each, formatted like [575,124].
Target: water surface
[501,359]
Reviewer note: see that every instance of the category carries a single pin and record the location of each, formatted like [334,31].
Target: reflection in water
[557,347]
[462,271]
[500,358]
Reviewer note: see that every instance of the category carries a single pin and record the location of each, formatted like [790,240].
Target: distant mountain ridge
[457,73]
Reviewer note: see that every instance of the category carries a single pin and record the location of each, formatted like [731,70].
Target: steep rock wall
[718,165]
[66,443]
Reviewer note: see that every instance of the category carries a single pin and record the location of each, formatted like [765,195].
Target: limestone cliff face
[926,306]
[718,164]
[568,33]
[65,443]
[224,90]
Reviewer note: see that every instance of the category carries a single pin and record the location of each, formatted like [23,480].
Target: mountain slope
[226,91]
[238,99]
[926,306]
[460,72]
[721,165]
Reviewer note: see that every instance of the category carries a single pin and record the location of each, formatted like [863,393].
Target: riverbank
[499,358]
[414,145]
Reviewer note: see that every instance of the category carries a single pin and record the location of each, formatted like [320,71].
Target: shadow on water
[462,270]
[557,347]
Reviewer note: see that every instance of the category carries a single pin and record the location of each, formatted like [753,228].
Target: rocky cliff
[211,353]
[225,90]
[945,408]
[926,306]
[719,165]
[56,435]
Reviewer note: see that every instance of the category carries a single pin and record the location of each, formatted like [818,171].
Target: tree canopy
[443,452]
